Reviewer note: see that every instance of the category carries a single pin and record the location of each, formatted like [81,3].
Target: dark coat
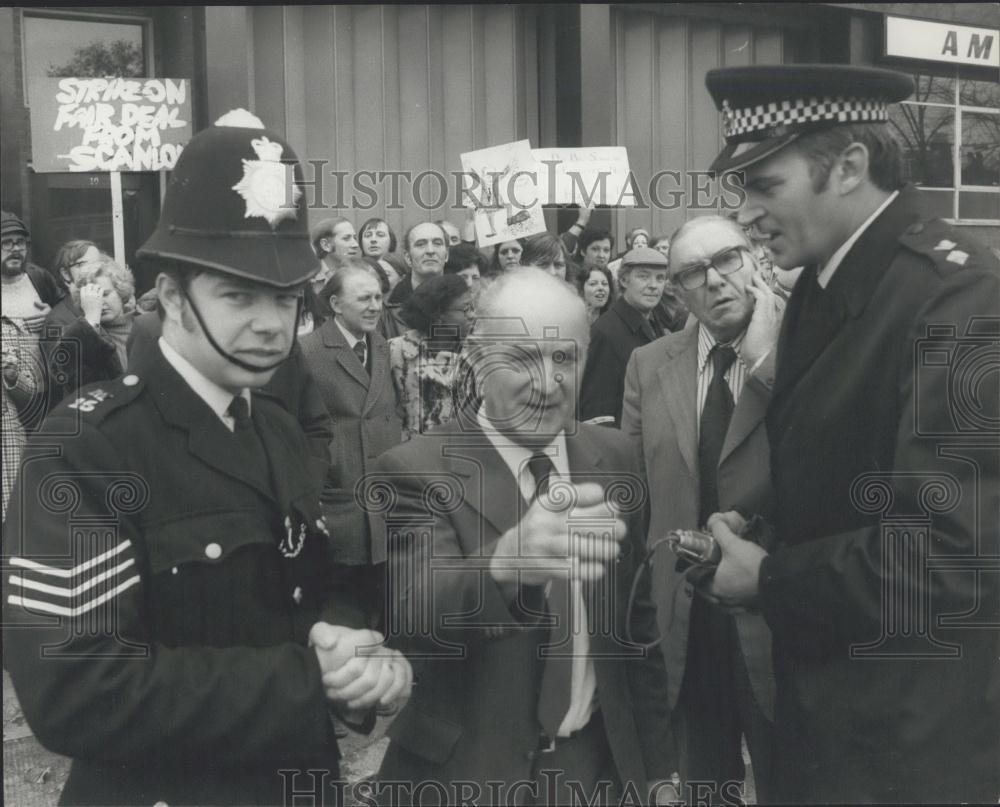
[617,332]
[661,414]
[366,422]
[196,686]
[81,356]
[879,442]
[448,497]
[290,383]
[49,291]
[392,325]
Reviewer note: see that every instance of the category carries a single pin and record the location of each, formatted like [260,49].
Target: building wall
[664,114]
[379,88]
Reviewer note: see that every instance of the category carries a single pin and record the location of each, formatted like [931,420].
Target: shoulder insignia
[948,249]
[105,397]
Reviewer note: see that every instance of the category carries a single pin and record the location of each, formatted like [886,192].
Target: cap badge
[267,186]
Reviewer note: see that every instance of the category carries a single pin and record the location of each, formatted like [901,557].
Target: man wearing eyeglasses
[28,290]
[695,402]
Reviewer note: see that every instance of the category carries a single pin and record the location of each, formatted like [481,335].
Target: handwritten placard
[108,124]
[584,176]
[501,187]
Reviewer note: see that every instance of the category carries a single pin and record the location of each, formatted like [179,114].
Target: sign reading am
[108,124]
[942,42]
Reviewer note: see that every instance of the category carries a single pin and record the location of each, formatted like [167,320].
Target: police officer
[882,592]
[170,624]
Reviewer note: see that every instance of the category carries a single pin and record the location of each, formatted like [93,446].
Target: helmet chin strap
[250,368]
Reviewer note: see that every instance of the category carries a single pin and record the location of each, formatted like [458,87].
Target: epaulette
[948,248]
[97,401]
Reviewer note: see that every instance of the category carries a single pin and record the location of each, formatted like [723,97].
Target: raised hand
[91,302]
[550,533]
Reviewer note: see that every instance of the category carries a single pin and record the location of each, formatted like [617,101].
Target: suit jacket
[365,423]
[290,384]
[448,498]
[618,331]
[194,683]
[874,424]
[660,414]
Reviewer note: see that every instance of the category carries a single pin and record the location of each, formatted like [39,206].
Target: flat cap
[766,107]
[645,256]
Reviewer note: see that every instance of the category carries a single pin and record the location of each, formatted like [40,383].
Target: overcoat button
[130,380]
[213,551]
[915,229]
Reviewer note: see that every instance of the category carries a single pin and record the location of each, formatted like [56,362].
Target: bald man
[487,588]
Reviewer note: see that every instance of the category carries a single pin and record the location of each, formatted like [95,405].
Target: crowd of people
[315,475]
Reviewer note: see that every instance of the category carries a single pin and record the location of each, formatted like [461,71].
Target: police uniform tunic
[160,590]
[884,456]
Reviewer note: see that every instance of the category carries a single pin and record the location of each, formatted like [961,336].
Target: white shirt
[352,340]
[583,678]
[735,376]
[823,278]
[217,398]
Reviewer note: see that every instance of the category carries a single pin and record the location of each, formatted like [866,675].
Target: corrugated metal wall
[665,116]
[385,88]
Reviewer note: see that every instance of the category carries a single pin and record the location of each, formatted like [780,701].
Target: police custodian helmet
[233,205]
[766,107]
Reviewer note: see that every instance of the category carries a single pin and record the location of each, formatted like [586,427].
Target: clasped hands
[359,671]
[550,536]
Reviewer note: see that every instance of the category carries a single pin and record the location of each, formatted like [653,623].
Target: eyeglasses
[725,262]
[14,243]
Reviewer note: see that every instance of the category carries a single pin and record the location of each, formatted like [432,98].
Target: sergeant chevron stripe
[63,587]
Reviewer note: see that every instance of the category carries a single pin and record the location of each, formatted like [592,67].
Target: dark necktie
[557,677]
[651,329]
[249,441]
[715,419]
[361,351]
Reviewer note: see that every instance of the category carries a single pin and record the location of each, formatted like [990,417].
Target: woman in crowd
[378,241]
[594,248]
[597,290]
[93,347]
[547,252]
[662,245]
[343,240]
[425,360]
[506,255]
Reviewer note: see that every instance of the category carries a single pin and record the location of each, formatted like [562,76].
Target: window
[951,133]
[83,45]
[67,206]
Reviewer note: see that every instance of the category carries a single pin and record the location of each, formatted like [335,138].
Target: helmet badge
[267,186]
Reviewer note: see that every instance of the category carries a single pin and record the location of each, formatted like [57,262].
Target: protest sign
[500,185]
[108,124]
[584,176]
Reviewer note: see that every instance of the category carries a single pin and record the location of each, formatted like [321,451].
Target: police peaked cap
[766,107]
[233,205]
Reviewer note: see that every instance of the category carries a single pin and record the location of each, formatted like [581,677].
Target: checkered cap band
[782,117]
